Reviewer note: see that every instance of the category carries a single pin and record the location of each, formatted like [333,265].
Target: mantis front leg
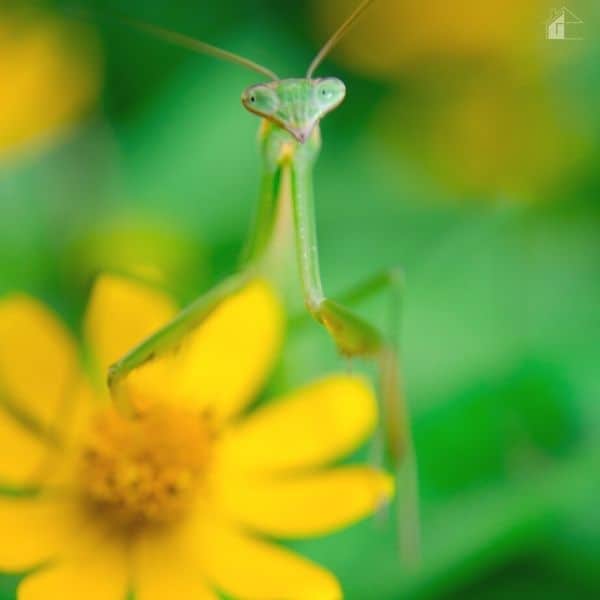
[171,335]
[355,337]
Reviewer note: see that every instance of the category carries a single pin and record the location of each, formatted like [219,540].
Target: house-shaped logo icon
[563,25]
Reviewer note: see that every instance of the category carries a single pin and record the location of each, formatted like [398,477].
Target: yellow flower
[493,138]
[396,38]
[174,502]
[49,77]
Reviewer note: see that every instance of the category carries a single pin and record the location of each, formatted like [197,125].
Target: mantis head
[296,105]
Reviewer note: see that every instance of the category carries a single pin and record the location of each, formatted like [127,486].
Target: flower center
[145,469]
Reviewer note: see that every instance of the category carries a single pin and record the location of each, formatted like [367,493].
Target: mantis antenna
[189,43]
[337,36]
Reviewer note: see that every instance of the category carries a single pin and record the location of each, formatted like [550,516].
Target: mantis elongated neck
[275,240]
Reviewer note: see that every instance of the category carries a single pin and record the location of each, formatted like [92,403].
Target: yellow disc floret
[145,469]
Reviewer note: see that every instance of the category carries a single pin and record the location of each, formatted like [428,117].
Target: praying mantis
[290,141]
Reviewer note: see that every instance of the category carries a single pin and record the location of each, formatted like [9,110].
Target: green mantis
[290,141]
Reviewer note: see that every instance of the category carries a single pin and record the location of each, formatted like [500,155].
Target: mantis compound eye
[330,93]
[261,100]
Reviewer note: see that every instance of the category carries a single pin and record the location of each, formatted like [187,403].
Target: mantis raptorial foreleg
[395,422]
[396,431]
[355,337]
[171,335]
[264,220]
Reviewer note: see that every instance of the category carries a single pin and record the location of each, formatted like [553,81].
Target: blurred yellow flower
[172,502]
[399,37]
[50,74]
[478,108]
[488,138]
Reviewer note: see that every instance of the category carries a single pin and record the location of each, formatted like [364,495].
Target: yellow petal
[226,360]
[21,453]
[33,531]
[101,576]
[74,424]
[310,504]
[121,313]
[310,426]
[60,470]
[246,567]
[164,569]
[38,359]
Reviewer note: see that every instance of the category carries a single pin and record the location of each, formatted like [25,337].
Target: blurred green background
[467,152]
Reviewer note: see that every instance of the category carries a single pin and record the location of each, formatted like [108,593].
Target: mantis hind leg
[384,349]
